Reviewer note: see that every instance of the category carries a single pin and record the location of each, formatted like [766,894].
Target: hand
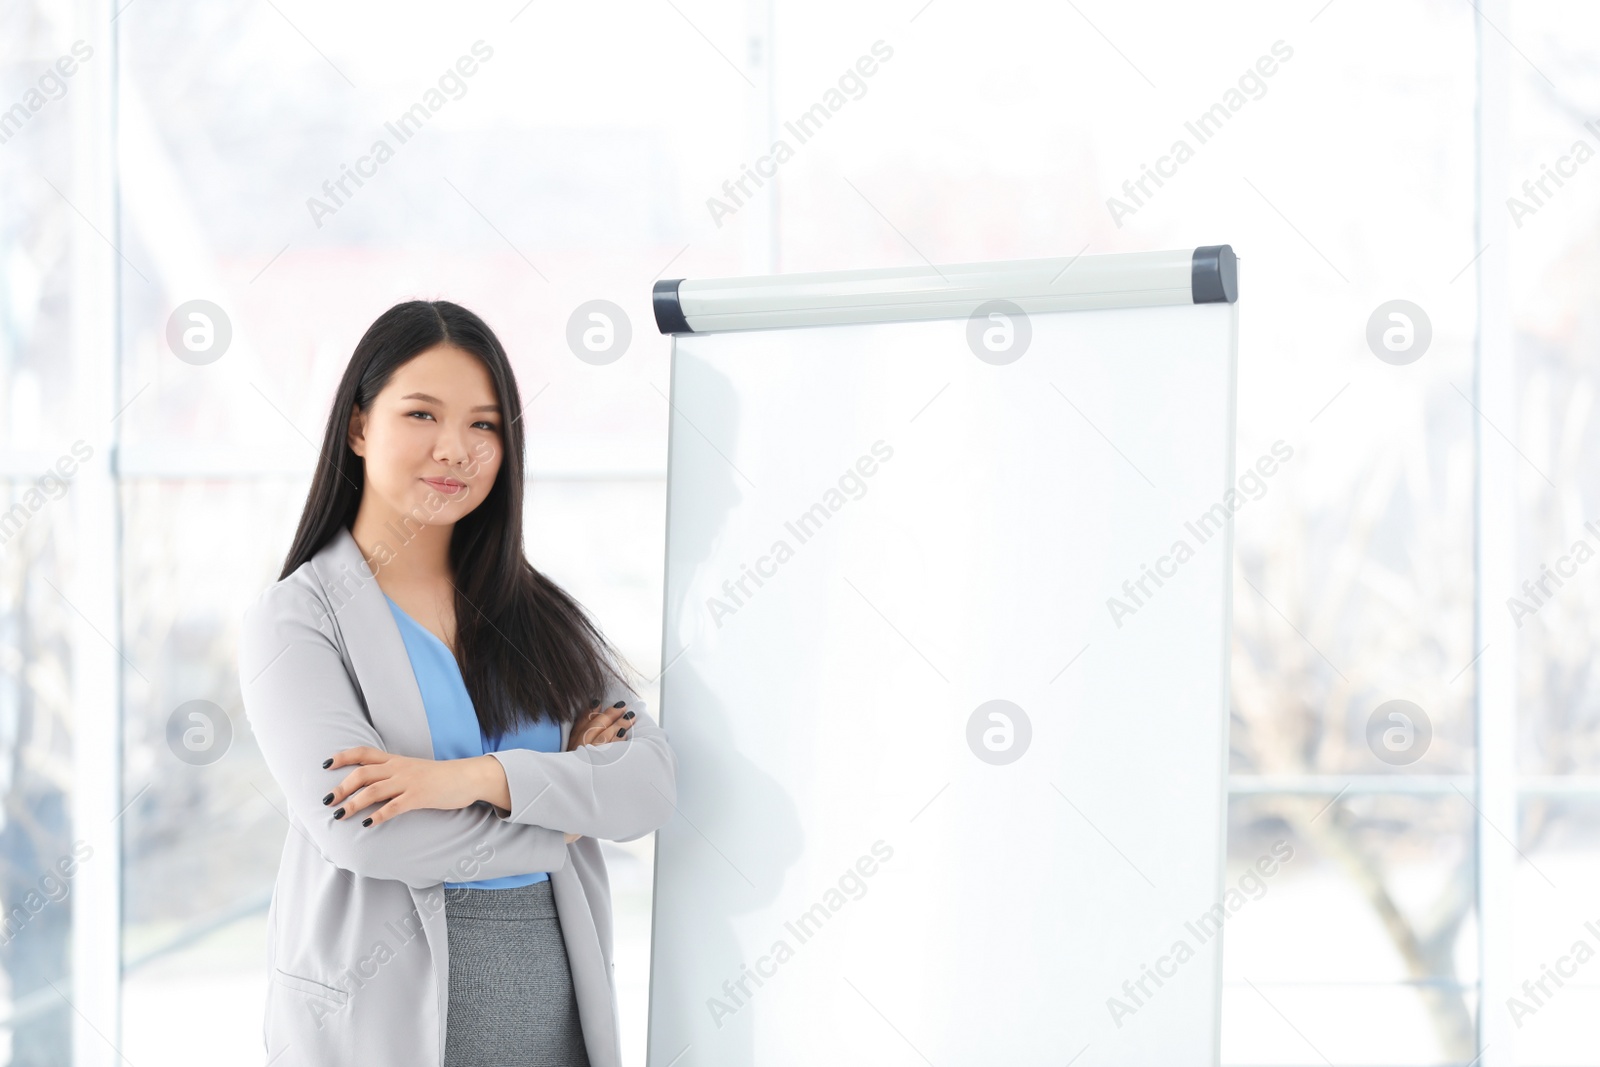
[601,726]
[398,784]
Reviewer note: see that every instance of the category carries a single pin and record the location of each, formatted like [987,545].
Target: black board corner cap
[669,312]
[1215,275]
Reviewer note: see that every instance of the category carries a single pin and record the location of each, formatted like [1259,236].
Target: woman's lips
[446,485]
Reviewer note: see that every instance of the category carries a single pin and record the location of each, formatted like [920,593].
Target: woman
[450,732]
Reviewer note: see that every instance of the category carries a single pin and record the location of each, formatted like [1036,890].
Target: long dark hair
[527,650]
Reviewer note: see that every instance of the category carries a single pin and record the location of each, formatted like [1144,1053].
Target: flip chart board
[946,629]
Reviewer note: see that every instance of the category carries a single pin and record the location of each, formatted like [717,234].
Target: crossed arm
[304,709]
[384,785]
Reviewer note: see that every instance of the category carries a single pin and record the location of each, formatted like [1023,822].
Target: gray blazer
[356,943]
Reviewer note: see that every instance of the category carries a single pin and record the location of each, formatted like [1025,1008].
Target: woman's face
[432,439]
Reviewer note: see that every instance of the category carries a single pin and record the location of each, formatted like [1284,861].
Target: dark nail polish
[619,703]
[367,821]
[327,763]
[622,731]
[328,799]
[594,703]
[627,715]
[339,814]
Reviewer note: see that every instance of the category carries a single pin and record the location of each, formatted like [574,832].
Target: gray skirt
[511,998]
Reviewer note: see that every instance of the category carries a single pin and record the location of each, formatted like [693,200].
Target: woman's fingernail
[619,703]
[367,821]
[327,762]
[339,814]
[328,799]
[622,731]
[594,704]
[627,715]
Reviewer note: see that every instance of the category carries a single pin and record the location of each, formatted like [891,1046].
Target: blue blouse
[453,721]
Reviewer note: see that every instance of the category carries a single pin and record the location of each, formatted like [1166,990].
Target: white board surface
[871,533]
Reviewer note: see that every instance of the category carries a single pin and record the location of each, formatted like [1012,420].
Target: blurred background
[154,153]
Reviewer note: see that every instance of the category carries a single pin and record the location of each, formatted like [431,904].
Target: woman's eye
[485,423]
